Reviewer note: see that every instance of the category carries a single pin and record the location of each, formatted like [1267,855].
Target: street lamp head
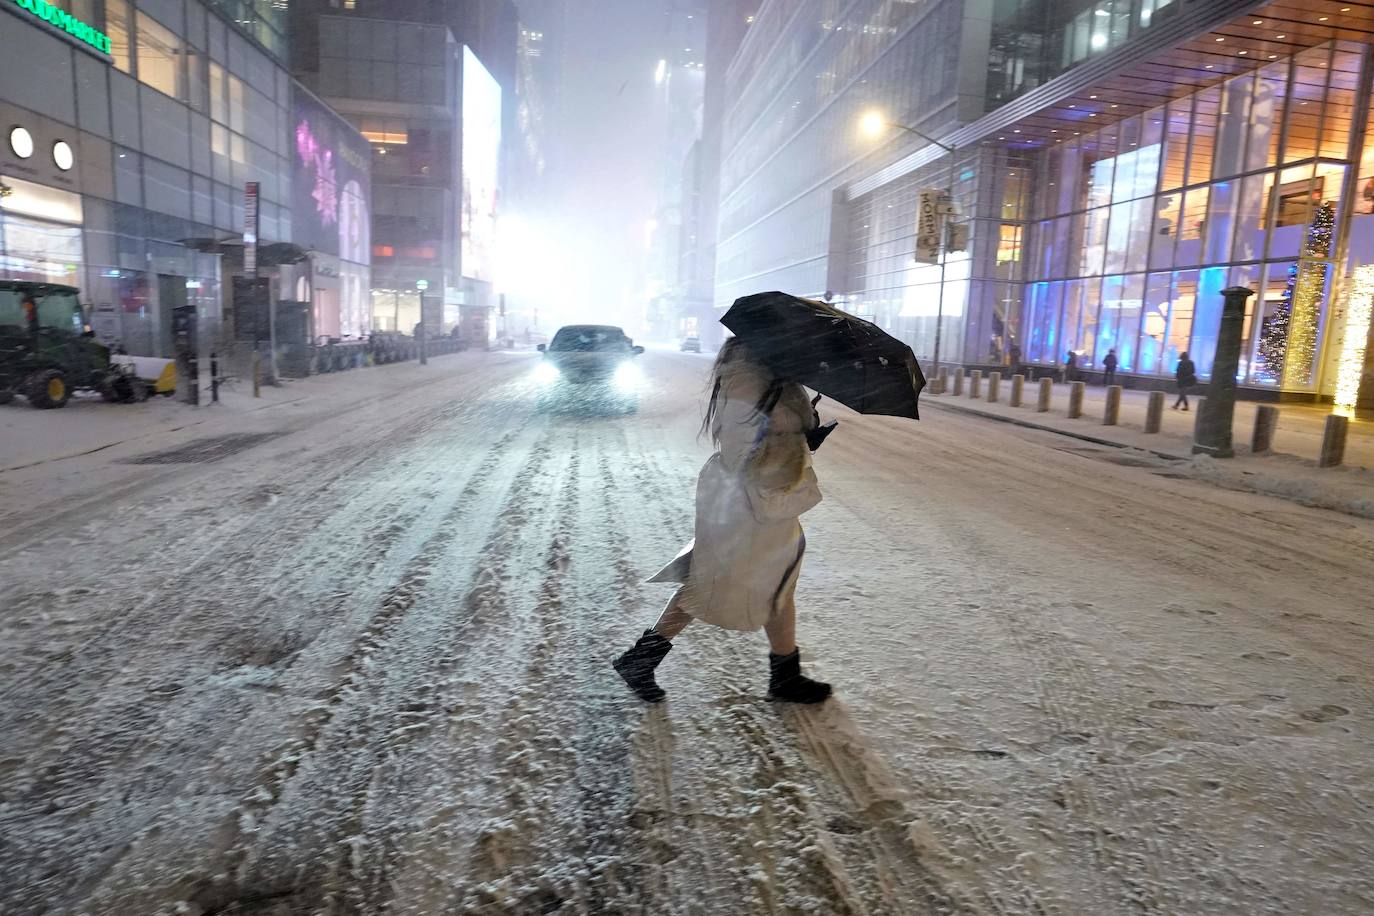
[873,123]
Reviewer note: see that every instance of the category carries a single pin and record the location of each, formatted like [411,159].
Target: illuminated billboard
[330,183]
[481,168]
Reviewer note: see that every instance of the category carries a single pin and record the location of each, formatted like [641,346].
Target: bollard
[1333,441]
[942,380]
[1076,400]
[1154,413]
[257,373]
[994,386]
[975,383]
[1200,405]
[214,377]
[1213,433]
[1266,421]
[1017,384]
[958,382]
[1042,405]
[1112,412]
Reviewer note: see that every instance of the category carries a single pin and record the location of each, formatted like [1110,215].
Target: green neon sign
[67,23]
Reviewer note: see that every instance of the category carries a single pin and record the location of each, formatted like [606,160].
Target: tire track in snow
[797,820]
[358,768]
[295,533]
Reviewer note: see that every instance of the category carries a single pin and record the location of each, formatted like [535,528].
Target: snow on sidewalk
[87,424]
[1289,472]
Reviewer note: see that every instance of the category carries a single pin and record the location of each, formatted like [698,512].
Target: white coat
[749,544]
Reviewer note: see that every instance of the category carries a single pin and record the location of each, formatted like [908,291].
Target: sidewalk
[1290,471]
[87,424]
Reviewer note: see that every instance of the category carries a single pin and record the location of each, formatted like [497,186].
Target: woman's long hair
[734,357]
[732,351]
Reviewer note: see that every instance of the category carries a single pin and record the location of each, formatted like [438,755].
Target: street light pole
[944,243]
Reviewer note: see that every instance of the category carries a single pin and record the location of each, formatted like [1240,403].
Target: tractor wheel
[47,389]
[6,395]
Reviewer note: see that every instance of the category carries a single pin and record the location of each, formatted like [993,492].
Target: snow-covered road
[361,665]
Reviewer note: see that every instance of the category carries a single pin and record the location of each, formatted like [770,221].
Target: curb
[1027,424]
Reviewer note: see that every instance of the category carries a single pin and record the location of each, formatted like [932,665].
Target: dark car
[597,356]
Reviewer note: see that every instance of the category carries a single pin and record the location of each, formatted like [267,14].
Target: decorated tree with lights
[1289,337]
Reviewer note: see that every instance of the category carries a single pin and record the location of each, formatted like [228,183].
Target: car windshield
[590,340]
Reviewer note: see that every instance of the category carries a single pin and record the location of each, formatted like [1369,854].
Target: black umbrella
[845,358]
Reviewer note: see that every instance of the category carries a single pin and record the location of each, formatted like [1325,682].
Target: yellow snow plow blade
[160,375]
[167,381]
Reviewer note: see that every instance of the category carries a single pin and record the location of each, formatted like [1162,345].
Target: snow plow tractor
[46,351]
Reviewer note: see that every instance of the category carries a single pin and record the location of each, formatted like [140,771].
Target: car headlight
[627,376]
[546,373]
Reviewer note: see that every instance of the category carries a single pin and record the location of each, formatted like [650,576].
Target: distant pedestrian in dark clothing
[1109,368]
[1071,367]
[1186,376]
[1014,357]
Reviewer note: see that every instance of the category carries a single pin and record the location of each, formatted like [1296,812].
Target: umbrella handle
[816,400]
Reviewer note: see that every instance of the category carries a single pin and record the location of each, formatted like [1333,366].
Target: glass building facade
[1141,225]
[1117,164]
[163,130]
[803,76]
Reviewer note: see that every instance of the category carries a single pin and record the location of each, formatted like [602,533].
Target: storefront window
[1305,105]
[1207,317]
[1118,237]
[1094,242]
[1265,369]
[1266,123]
[1221,218]
[1154,321]
[197,91]
[1109,329]
[1190,191]
[1087,337]
[1249,217]
[1149,9]
[219,106]
[1073,317]
[1340,104]
[1177,118]
[1194,221]
[1247,276]
[33,249]
[1206,106]
[1168,211]
[1182,298]
[159,56]
[117,28]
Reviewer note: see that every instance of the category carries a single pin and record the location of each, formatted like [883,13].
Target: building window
[1296,200]
[159,57]
[385,131]
[117,28]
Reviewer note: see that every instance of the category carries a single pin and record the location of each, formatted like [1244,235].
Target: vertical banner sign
[250,228]
[928,223]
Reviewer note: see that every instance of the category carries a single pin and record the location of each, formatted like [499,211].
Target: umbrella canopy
[845,358]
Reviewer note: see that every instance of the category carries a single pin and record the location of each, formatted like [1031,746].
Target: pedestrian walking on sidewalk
[1109,368]
[741,571]
[1186,377]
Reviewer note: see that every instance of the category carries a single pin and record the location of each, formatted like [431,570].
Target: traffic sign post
[422,285]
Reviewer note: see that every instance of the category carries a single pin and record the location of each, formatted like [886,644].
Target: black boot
[786,682]
[637,666]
